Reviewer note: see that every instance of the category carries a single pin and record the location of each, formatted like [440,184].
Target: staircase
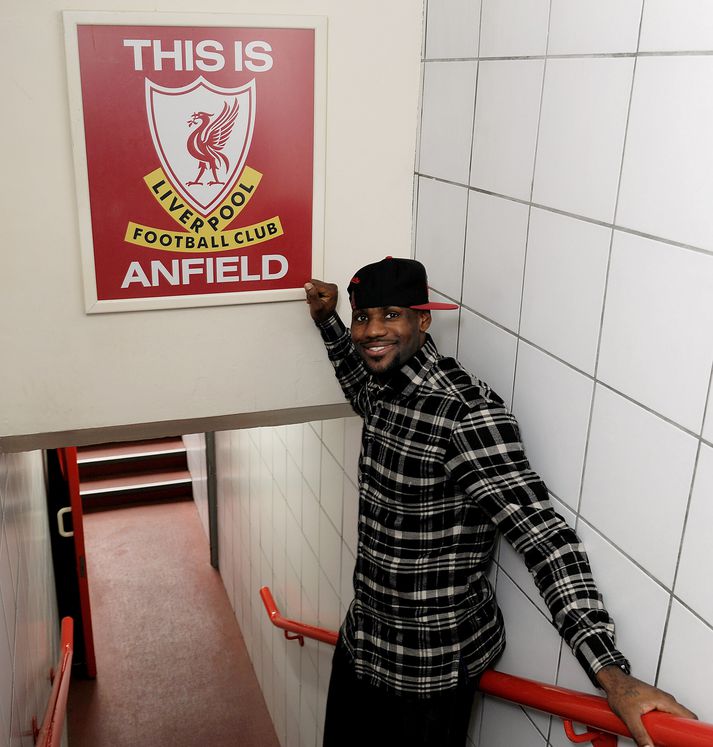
[132,473]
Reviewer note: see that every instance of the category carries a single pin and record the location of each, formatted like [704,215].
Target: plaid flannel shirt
[442,470]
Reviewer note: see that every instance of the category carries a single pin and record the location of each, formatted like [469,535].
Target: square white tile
[581,137]
[636,481]
[440,234]
[552,403]
[310,517]
[533,644]
[447,119]
[657,327]
[488,352]
[328,604]
[333,437]
[676,25]
[452,28]
[667,180]
[495,258]
[630,596]
[565,275]
[311,458]
[330,547]
[708,423]
[689,644]
[507,109]
[513,28]
[352,447]
[331,487]
[506,725]
[696,563]
[604,27]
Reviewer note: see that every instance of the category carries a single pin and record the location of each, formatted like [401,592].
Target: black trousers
[360,715]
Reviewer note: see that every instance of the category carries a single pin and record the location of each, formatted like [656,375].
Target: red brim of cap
[435,306]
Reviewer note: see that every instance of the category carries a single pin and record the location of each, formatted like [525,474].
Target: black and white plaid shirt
[442,470]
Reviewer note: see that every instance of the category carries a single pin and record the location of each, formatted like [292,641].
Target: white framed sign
[199,149]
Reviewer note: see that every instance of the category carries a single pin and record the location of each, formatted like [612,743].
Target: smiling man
[441,471]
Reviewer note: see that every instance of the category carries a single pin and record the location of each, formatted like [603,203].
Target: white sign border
[73,19]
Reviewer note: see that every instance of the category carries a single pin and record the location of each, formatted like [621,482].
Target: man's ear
[425,320]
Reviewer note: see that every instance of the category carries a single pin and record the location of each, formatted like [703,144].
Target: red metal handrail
[569,705]
[50,733]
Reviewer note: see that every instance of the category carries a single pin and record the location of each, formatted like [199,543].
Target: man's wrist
[610,675]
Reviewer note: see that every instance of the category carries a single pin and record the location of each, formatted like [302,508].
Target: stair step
[135,488]
[105,460]
[134,481]
[128,449]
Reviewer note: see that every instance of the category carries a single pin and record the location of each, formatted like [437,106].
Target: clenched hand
[322,299]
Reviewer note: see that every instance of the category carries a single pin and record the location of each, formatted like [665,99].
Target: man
[442,470]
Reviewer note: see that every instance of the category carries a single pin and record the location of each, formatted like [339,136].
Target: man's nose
[375,327]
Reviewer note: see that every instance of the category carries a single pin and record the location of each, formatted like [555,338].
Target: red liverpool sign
[197,151]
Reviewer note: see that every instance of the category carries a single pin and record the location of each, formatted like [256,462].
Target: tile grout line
[607,275]
[584,218]
[529,204]
[577,56]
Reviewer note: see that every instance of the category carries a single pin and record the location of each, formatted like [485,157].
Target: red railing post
[50,733]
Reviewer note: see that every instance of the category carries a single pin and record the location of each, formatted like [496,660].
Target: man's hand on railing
[630,699]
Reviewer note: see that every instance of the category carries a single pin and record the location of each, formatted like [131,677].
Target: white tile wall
[495,258]
[506,115]
[297,544]
[452,29]
[489,352]
[447,120]
[513,28]
[638,473]
[564,286]
[604,27]
[581,139]
[552,403]
[677,25]
[666,191]
[440,233]
[623,140]
[658,317]
[696,561]
[29,626]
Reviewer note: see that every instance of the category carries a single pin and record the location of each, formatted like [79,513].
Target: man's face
[387,336]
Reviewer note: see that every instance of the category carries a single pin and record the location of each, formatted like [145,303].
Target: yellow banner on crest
[221,241]
[191,221]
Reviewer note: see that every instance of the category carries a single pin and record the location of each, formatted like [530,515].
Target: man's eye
[361,318]
[392,315]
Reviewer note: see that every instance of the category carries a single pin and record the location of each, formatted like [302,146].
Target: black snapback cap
[394,281]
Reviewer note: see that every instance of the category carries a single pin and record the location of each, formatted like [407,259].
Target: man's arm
[487,460]
[348,366]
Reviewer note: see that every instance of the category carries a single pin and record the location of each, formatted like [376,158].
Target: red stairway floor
[172,665]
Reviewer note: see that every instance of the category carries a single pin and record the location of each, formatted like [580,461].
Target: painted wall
[29,627]
[564,189]
[66,371]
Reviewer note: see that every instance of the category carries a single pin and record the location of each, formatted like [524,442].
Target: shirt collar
[413,373]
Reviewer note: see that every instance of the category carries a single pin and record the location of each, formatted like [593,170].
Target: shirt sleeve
[348,366]
[487,460]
